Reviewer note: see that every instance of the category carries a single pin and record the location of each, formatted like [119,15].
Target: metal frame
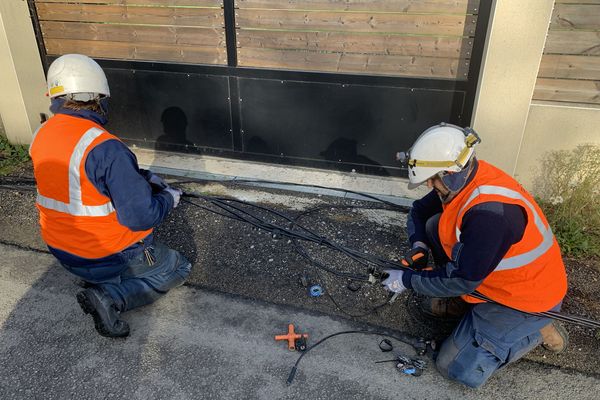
[37,29]
[230,34]
[466,90]
[481,29]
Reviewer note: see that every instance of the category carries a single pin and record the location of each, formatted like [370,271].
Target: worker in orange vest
[485,233]
[97,208]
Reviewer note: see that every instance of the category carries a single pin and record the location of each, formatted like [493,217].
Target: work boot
[450,308]
[102,307]
[554,337]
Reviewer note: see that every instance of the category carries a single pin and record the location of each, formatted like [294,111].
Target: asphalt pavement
[203,344]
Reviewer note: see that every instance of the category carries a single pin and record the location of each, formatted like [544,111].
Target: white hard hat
[77,76]
[441,148]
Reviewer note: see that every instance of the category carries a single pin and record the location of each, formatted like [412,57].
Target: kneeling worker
[97,208]
[485,233]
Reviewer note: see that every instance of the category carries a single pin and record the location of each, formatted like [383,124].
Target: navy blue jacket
[113,169]
[488,230]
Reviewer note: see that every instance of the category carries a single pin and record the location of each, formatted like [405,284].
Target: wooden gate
[328,83]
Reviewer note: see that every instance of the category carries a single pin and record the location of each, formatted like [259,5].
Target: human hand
[176,193]
[415,258]
[393,282]
[157,181]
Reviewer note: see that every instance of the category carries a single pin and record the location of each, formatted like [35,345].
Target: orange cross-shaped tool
[291,337]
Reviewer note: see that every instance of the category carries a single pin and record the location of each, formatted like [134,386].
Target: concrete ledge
[215,168]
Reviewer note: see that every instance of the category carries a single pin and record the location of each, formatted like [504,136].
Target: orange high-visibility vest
[531,276]
[74,216]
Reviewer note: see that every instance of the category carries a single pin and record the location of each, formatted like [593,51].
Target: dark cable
[295,367]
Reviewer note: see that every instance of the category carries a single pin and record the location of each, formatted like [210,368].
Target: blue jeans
[135,282]
[488,337]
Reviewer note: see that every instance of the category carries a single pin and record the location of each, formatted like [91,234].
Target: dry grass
[568,189]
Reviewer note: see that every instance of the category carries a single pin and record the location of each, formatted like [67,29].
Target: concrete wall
[513,52]
[554,127]
[21,75]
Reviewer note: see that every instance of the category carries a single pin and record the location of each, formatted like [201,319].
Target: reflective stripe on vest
[33,137]
[75,206]
[546,232]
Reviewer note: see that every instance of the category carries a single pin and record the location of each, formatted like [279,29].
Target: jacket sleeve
[113,170]
[421,211]
[488,232]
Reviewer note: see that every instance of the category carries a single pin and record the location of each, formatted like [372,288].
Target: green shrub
[11,156]
[568,190]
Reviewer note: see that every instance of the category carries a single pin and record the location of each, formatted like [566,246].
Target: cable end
[292,375]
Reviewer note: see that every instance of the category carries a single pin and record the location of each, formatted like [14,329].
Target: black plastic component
[300,344]
[386,345]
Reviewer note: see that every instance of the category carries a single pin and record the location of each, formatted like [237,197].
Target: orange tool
[414,258]
[291,337]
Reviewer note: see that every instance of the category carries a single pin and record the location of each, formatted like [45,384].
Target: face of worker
[435,183]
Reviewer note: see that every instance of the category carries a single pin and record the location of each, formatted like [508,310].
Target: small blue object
[315,290]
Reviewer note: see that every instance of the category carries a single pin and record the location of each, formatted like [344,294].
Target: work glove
[176,193]
[157,182]
[416,258]
[393,282]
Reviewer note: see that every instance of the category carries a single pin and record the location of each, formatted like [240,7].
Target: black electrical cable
[382,263]
[246,181]
[547,314]
[294,369]
[271,228]
[378,261]
[302,251]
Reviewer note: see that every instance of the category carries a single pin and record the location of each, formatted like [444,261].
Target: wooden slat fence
[414,38]
[186,31]
[570,67]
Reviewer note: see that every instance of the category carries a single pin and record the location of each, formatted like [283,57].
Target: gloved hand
[157,181]
[416,258]
[176,193]
[393,282]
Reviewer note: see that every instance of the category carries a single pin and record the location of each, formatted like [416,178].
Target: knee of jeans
[471,365]
[448,352]
[184,268]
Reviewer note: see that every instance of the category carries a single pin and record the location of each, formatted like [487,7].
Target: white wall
[21,74]
[554,127]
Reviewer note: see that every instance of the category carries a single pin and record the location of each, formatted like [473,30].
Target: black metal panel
[339,126]
[230,33]
[170,111]
[327,120]
[483,19]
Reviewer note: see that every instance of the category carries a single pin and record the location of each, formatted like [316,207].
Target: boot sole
[88,308]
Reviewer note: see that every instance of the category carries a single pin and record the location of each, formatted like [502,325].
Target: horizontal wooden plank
[573,42]
[206,17]
[189,3]
[441,25]
[576,16]
[570,67]
[354,63]
[407,6]
[133,33]
[446,47]
[567,90]
[138,51]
